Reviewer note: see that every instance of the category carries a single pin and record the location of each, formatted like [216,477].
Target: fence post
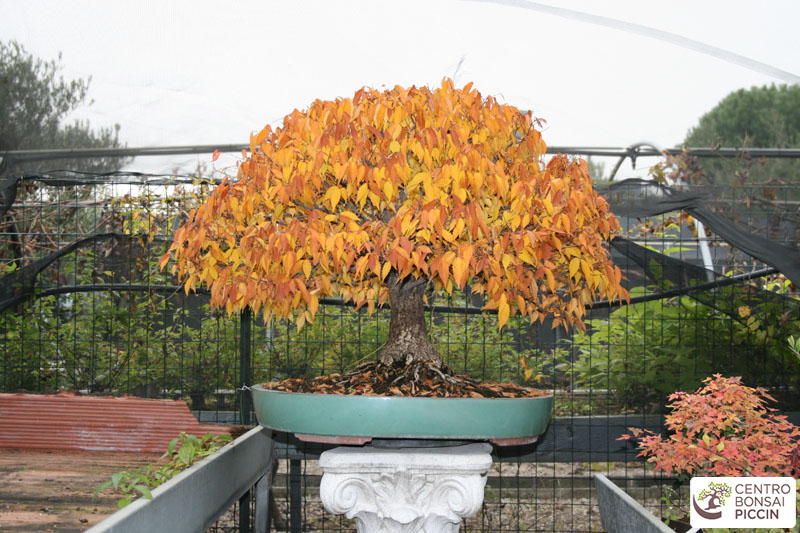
[245,376]
[7,165]
[295,496]
[244,512]
[261,498]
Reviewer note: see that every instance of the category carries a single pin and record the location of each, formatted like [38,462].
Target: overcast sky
[181,73]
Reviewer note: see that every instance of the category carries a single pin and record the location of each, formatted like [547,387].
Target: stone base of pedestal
[408,490]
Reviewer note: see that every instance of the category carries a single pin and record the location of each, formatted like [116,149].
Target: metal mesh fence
[86,307]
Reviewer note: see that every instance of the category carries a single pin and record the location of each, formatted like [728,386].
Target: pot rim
[260,387]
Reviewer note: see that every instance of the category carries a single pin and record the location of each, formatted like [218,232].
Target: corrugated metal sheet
[68,421]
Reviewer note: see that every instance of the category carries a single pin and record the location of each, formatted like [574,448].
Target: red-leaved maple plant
[724,429]
[380,197]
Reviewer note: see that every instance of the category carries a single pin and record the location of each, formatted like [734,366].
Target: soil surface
[54,490]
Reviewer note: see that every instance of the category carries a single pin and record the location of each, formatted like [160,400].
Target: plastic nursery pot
[358,419]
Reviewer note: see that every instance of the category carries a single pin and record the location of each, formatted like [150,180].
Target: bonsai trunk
[408,335]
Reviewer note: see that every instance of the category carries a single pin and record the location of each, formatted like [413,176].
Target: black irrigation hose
[603,304]
[103,287]
[721,282]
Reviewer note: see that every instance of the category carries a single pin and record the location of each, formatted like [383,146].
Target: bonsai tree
[382,196]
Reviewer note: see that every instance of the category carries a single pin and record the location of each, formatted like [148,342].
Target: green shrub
[643,352]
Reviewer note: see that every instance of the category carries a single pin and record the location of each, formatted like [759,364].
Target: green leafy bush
[182,452]
[643,352]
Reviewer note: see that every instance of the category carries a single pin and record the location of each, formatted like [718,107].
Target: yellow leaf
[417,179]
[385,270]
[526,256]
[586,268]
[551,280]
[459,271]
[521,304]
[375,199]
[566,222]
[466,252]
[459,227]
[548,205]
[387,189]
[443,268]
[408,225]
[336,195]
[394,146]
[503,312]
[574,266]
[361,197]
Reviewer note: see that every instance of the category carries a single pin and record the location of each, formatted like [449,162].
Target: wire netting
[85,306]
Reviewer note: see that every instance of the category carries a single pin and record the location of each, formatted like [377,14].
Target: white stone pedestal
[405,490]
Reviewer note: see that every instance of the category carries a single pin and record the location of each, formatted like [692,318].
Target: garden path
[48,491]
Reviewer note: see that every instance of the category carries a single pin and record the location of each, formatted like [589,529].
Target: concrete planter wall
[620,513]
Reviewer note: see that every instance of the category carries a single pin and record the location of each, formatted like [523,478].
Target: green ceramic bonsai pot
[357,419]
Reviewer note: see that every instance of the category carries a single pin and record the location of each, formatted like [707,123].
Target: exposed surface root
[413,378]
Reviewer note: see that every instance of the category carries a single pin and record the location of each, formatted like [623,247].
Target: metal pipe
[647,150]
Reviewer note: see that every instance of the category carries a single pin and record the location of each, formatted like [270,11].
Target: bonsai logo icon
[714,497]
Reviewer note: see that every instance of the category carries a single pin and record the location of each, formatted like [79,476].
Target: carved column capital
[408,490]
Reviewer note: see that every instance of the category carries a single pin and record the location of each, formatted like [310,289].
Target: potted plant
[378,199]
[723,429]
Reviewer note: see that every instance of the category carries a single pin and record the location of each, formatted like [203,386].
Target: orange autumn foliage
[724,428]
[443,185]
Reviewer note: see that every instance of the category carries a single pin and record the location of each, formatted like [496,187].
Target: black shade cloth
[641,198]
